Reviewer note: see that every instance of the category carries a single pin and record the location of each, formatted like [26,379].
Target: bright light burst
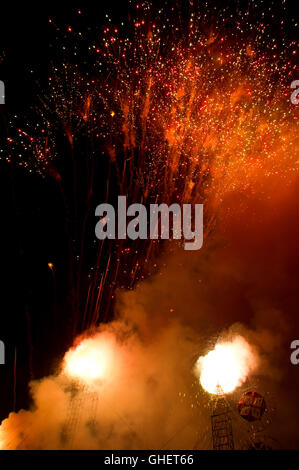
[169,106]
[226,367]
[91,360]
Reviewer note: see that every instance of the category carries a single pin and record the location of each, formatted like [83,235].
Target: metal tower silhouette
[222,431]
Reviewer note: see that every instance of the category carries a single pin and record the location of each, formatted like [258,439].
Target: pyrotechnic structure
[221,422]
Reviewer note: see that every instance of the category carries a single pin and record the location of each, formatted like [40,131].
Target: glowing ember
[89,361]
[226,367]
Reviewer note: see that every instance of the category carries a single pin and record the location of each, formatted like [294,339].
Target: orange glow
[226,367]
[91,360]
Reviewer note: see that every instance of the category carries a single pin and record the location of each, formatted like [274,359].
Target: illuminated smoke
[226,367]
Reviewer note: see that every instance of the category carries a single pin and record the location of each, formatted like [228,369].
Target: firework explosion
[170,107]
[89,361]
[170,116]
[226,367]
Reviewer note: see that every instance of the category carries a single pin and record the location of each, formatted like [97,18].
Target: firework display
[153,179]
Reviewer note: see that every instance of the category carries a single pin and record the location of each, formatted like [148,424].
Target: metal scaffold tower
[73,414]
[222,431]
[82,397]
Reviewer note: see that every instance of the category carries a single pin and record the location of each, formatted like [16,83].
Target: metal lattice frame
[222,431]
